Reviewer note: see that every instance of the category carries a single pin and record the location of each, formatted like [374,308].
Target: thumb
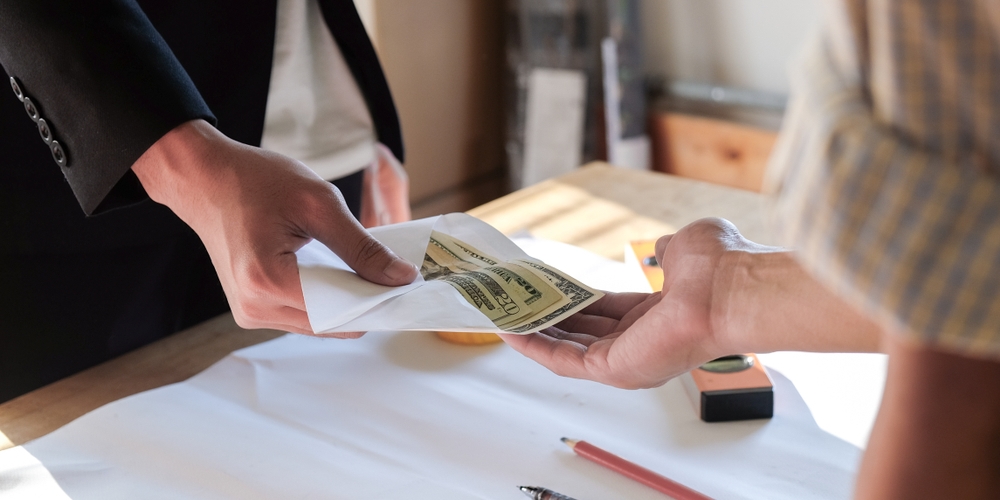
[661,246]
[372,260]
[375,262]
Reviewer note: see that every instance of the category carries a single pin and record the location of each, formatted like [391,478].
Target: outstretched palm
[636,340]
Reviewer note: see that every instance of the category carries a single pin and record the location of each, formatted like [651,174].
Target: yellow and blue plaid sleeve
[884,175]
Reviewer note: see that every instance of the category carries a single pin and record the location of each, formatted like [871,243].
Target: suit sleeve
[100,84]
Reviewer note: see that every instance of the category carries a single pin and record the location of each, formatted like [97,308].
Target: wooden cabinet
[710,149]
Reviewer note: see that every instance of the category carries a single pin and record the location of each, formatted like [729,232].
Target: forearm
[938,430]
[769,303]
[186,159]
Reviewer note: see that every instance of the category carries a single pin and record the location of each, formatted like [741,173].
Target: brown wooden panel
[444,63]
[712,150]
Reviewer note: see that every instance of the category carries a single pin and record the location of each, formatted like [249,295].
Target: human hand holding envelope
[472,279]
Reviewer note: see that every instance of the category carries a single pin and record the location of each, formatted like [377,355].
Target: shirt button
[44,131]
[58,154]
[29,107]
[17,89]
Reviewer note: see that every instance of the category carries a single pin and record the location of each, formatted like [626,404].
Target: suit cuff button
[29,107]
[44,131]
[16,87]
[58,154]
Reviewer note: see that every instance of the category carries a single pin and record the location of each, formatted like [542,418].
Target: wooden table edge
[165,361]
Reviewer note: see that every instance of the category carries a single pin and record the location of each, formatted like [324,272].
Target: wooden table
[597,207]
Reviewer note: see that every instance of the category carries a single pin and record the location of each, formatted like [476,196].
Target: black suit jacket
[105,79]
[110,77]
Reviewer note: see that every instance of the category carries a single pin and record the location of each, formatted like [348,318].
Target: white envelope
[338,300]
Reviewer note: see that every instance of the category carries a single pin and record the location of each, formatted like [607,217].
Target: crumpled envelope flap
[338,300]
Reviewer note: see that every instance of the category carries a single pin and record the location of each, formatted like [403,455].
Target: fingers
[588,324]
[567,358]
[615,305]
[639,311]
[661,247]
[563,357]
[340,335]
[336,228]
[264,291]
[288,319]
[579,338]
[605,316]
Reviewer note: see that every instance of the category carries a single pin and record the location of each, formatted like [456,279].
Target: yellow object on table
[467,338]
[642,254]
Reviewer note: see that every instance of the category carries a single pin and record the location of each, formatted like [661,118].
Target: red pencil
[633,471]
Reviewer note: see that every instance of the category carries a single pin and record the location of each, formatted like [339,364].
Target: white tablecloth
[406,416]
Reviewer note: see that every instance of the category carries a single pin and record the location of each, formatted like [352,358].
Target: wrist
[768,302]
[745,285]
[175,164]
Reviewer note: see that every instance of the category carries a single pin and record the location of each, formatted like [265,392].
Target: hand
[635,340]
[253,209]
[722,294]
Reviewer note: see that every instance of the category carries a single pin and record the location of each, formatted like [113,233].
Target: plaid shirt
[886,172]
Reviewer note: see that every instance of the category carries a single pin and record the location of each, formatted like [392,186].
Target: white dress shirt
[315,111]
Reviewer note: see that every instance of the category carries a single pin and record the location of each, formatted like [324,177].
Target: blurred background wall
[445,60]
[738,43]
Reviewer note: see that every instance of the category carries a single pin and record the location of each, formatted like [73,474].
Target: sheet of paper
[554,118]
[338,300]
[407,416]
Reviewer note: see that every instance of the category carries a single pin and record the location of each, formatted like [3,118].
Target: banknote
[517,296]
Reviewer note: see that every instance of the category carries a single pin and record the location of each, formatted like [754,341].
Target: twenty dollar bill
[518,296]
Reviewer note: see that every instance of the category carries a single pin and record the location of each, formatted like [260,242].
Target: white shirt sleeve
[315,111]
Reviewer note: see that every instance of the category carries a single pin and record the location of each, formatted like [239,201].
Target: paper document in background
[553,130]
[632,151]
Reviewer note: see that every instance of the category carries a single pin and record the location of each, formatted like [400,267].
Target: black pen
[539,493]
